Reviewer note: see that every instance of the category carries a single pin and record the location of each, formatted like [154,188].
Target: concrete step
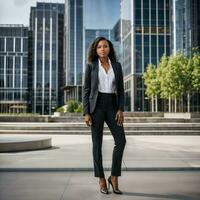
[131,120]
[83,127]
[106,132]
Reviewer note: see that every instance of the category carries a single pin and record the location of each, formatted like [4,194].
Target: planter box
[56,114]
[178,115]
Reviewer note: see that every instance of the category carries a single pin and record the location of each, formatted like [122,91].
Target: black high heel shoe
[115,189]
[103,190]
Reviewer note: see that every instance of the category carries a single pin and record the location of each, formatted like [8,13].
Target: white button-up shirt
[106,80]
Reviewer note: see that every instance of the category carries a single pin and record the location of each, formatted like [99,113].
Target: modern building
[145,37]
[117,40]
[13,68]
[186,35]
[73,49]
[186,25]
[46,57]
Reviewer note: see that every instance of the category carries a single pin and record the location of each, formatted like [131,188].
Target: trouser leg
[120,141]
[97,136]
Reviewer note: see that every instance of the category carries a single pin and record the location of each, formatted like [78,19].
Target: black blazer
[90,87]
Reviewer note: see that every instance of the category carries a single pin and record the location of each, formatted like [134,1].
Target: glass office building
[46,57]
[13,68]
[186,25]
[74,49]
[186,35]
[146,36]
[182,26]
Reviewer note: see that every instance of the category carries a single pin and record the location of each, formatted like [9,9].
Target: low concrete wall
[173,115]
[7,118]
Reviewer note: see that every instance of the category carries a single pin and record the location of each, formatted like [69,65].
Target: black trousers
[105,111]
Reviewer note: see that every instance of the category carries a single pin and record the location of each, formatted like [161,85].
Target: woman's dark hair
[92,52]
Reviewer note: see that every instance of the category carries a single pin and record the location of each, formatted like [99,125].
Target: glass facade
[46,57]
[74,52]
[13,68]
[186,35]
[186,25]
[145,38]
[182,25]
[74,42]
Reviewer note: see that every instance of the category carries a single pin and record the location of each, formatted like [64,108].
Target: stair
[175,128]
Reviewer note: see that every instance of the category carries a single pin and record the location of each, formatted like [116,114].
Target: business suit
[103,107]
[90,88]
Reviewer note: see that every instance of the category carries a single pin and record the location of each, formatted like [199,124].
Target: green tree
[152,84]
[196,71]
[173,78]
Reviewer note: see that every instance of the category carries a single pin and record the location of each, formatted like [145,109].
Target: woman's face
[103,49]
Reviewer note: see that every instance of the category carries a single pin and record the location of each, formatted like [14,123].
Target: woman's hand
[88,120]
[119,117]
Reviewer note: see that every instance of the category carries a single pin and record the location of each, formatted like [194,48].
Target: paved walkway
[154,168]
[74,153]
[83,186]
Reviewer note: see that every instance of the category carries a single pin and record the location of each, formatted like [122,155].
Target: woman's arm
[120,90]
[86,90]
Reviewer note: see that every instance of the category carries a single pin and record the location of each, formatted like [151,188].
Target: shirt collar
[99,62]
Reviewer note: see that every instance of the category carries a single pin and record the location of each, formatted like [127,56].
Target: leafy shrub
[74,106]
[60,110]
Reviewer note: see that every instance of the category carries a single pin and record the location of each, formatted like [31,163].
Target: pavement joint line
[105,169]
[67,184]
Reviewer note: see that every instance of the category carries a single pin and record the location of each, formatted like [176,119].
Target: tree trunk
[169,104]
[156,103]
[175,104]
[152,103]
[188,101]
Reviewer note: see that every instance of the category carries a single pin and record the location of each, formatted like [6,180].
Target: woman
[103,101]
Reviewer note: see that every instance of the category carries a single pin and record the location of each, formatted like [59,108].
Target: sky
[17,11]
[100,13]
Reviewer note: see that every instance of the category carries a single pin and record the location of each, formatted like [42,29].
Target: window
[1,62]
[25,44]
[161,5]
[9,62]
[146,16]
[146,40]
[138,40]
[18,44]
[161,40]
[1,44]
[153,4]
[154,52]
[139,82]
[17,62]
[138,65]
[145,3]
[138,4]
[9,46]
[153,17]
[138,16]
[146,51]
[161,51]
[153,40]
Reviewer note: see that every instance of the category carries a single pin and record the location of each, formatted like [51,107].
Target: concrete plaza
[154,168]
